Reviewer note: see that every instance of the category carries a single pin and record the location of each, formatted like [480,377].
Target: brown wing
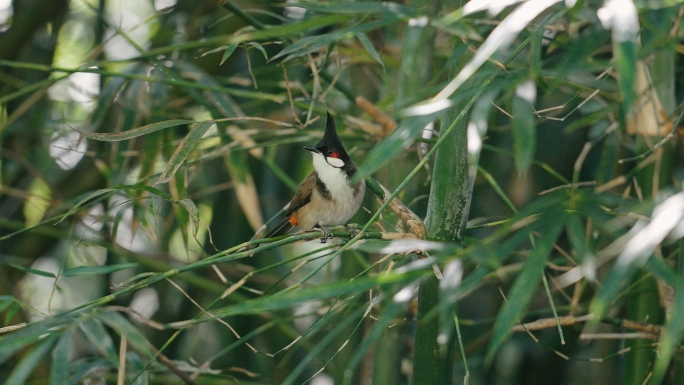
[303,194]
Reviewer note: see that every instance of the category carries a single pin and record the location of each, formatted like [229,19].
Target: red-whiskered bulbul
[326,198]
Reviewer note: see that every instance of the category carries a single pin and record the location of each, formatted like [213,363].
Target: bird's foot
[325,233]
[352,231]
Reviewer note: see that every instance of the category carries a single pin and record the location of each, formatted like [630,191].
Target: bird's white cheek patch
[335,162]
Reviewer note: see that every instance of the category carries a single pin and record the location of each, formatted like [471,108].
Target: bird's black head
[330,146]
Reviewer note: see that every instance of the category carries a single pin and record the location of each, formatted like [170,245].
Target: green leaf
[625,61]
[83,368]
[259,47]
[6,301]
[404,245]
[33,271]
[524,130]
[524,287]
[184,149]
[98,336]
[94,270]
[369,47]
[402,137]
[61,359]
[292,298]
[362,8]
[25,367]
[313,43]
[191,208]
[670,339]
[119,136]
[229,51]
[292,29]
[135,187]
[643,238]
[502,36]
[125,328]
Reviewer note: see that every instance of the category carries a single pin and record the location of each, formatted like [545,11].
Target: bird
[326,197]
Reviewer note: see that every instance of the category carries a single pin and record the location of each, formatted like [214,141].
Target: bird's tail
[281,228]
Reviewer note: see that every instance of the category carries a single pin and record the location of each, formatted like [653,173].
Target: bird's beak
[312,149]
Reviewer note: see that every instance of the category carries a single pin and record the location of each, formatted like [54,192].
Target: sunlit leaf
[642,241]
[404,246]
[499,38]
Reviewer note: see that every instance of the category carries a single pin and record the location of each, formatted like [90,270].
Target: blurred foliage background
[144,143]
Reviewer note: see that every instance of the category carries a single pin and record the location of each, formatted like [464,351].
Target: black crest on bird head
[331,141]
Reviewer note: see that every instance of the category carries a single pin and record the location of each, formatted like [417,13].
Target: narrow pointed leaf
[94,270]
[524,130]
[369,47]
[229,51]
[33,271]
[402,137]
[524,287]
[61,359]
[98,336]
[184,149]
[26,366]
[125,328]
[118,136]
[362,7]
[192,210]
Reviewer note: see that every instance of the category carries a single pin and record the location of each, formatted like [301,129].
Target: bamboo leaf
[362,7]
[369,47]
[404,246]
[61,359]
[291,298]
[643,238]
[673,332]
[25,367]
[524,130]
[118,136]
[499,38]
[229,51]
[402,137]
[122,326]
[183,151]
[292,29]
[94,270]
[192,210]
[621,16]
[6,301]
[33,271]
[259,47]
[525,285]
[313,43]
[98,336]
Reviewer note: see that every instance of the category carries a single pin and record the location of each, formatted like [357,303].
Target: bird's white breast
[346,199]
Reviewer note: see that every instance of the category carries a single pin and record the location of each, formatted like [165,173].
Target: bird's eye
[334,154]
